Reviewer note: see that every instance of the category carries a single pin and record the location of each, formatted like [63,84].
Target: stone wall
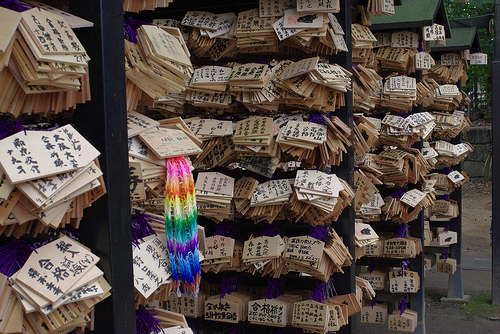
[480,138]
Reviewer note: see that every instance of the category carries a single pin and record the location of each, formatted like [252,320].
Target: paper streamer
[181,227]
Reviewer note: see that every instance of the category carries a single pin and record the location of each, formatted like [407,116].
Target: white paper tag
[479,59]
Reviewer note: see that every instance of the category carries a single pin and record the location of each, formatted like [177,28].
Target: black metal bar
[495,255]
[346,283]
[455,284]
[177,9]
[480,22]
[417,300]
[106,228]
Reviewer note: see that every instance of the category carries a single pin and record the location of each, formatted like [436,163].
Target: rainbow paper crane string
[181,227]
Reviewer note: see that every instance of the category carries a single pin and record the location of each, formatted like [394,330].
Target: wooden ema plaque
[397,247]
[151,265]
[404,281]
[310,313]
[61,263]
[222,310]
[376,314]
[269,312]
[406,322]
[304,248]
[377,279]
[447,238]
[447,266]
[169,143]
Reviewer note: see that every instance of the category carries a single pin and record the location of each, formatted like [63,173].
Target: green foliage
[478,74]
[480,306]
[456,9]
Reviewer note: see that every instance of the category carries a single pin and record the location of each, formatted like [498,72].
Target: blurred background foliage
[479,75]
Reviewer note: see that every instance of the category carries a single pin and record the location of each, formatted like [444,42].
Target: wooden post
[346,283]
[455,284]
[106,228]
[495,256]
[417,300]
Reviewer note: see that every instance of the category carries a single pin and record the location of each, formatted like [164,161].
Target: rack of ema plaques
[452,228]
[439,99]
[386,267]
[344,283]
[107,229]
